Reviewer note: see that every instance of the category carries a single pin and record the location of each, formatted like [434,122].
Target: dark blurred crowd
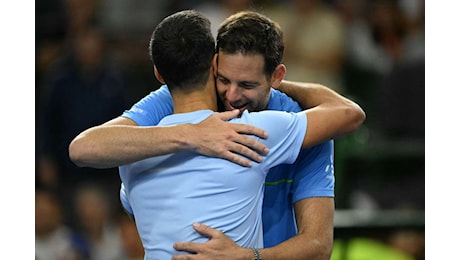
[92,64]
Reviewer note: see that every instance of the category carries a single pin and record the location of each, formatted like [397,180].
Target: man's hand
[218,247]
[217,138]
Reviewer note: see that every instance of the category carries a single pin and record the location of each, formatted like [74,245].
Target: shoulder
[274,120]
[157,97]
[281,101]
[152,108]
[162,92]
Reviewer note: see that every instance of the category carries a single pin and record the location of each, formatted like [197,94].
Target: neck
[196,100]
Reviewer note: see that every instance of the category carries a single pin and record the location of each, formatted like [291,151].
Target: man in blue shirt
[236,93]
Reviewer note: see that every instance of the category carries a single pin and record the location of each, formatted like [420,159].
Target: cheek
[255,95]
[221,89]
[259,99]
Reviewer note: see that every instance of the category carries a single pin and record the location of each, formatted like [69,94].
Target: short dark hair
[182,47]
[250,32]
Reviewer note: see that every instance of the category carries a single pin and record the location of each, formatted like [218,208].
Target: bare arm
[120,141]
[315,221]
[329,114]
[309,95]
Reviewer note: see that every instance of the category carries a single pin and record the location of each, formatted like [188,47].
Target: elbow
[326,251]
[361,116]
[358,116]
[322,250]
[78,152]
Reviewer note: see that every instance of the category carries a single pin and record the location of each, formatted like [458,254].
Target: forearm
[315,218]
[107,146]
[330,115]
[301,246]
[120,141]
[310,95]
[314,240]
[298,247]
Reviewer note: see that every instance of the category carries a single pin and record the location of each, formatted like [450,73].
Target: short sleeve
[152,108]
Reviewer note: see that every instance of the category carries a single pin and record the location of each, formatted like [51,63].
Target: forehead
[241,67]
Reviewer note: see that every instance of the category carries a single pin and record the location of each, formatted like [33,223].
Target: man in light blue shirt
[167,193]
[348,116]
[308,183]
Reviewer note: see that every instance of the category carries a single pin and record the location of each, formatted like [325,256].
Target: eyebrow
[241,81]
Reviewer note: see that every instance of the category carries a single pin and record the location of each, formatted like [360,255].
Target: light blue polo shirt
[168,193]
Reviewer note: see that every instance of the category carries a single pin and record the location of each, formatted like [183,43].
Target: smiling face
[241,82]
[250,50]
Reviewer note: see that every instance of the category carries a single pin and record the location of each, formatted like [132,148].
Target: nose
[233,93]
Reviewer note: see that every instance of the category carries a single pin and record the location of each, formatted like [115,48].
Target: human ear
[158,75]
[214,65]
[278,75]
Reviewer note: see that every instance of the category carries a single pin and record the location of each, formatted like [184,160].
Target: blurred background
[92,63]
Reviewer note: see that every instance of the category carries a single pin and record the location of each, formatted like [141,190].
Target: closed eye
[247,85]
[223,80]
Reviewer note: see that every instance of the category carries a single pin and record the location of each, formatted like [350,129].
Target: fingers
[189,247]
[242,128]
[244,149]
[219,246]
[230,141]
[206,230]
[183,257]
[249,146]
[239,153]
[194,248]
[235,158]
[249,130]
[227,115]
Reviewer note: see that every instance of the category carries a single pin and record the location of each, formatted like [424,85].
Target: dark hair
[182,47]
[249,32]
